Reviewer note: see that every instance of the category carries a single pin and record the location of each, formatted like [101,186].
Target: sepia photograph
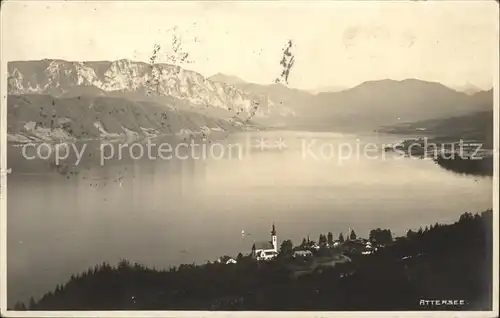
[290,158]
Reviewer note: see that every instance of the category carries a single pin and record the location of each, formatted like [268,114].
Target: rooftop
[264,246]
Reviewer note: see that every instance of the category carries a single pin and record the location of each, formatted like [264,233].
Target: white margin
[3,174]
[3,232]
[496,153]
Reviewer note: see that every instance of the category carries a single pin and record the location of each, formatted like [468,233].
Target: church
[266,250]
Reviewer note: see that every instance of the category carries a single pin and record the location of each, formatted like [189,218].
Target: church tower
[274,239]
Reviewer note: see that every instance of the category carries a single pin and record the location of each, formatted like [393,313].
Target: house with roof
[226,260]
[266,250]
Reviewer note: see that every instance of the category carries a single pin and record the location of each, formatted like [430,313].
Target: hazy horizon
[455,46]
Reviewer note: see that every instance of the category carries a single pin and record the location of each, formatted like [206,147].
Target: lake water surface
[166,212]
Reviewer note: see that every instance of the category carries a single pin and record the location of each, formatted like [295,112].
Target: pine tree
[304,243]
[286,247]
[19,306]
[341,237]
[322,239]
[32,304]
[353,235]
[330,238]
[410,234]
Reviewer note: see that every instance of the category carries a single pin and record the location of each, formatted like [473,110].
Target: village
[311,256]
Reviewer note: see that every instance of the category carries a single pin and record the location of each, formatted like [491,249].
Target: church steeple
[274,238]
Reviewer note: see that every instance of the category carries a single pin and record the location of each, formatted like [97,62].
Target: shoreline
[463,156]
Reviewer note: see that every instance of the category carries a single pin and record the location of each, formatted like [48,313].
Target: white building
[266,250]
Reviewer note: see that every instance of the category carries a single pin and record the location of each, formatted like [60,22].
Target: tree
[465,217]
[373,235]
[322,240]
[341,237]
[286,247]
[380,237]
[330,238]
[353,235]
[19,306]
[410,234]
[32,304]
[239,257]
[123,264]
[304,243]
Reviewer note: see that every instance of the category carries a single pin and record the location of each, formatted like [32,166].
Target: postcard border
[218,314]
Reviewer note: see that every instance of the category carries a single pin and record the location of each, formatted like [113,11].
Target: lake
[164,212]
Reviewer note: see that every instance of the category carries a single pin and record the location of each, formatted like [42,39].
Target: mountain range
[57,77]
[129,96]
[468,89]
[125,97]
[373,103]
[327,89]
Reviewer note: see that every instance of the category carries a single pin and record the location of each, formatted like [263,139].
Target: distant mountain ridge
[365,107]
[227,79]
[328,89]
[117,99]
[468,89]
[57,77]
[372,104]
[386,102]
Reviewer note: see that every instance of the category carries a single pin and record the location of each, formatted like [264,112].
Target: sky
[335,43]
